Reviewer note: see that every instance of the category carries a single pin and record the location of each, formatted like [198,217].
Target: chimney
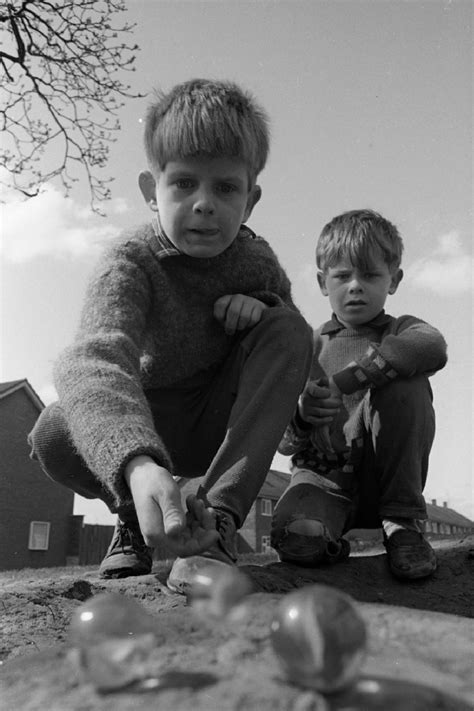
[433,501]
[445,504]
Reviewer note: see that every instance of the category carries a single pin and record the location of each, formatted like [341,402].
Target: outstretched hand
[160,513]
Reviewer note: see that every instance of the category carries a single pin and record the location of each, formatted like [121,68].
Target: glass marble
[114,638]
[319,638]
[218,590]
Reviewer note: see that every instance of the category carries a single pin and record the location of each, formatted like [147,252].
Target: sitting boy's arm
[410,347]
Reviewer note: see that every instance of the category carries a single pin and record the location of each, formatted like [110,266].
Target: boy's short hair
[359,235]
[205,117]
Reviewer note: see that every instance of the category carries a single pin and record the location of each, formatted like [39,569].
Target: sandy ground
[419,633]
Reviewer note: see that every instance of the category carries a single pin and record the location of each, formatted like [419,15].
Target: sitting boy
[364,425]
[190,353]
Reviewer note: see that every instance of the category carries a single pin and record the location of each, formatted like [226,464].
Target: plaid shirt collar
[333,326]
[167,249]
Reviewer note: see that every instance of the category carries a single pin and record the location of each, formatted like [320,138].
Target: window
[266,507]
[39,536]
[265,544]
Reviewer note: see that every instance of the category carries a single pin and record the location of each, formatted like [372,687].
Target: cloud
[51,224]
[448,270]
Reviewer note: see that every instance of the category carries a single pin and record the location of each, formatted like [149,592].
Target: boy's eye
[184,183]
[226,188]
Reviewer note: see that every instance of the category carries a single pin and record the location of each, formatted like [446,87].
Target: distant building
[444,521]
[35,512]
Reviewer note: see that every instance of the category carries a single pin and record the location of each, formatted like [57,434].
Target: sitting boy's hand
[238,311]
[160,514]
[318,404]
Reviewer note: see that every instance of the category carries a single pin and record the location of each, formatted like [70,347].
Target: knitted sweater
[367,356]
[148,322]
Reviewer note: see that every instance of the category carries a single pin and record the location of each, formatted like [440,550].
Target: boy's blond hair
[204,117]
[359,235]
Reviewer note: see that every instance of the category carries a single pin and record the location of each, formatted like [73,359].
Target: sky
[370,106]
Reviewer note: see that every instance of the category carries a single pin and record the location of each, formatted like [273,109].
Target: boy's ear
[147,184]
[254,196]
[396,279]
[322,282]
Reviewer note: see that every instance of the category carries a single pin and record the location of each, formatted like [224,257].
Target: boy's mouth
[204,232]
[355,303]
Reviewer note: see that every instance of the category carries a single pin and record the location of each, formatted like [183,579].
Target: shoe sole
[413,574]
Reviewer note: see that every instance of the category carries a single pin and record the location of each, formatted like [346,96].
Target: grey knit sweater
[148,322]
[368,356]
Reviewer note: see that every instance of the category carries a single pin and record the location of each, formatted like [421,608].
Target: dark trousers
[395,426]
[222,424]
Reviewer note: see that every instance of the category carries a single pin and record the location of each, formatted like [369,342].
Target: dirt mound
[220,667]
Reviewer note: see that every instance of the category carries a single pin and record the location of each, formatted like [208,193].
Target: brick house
[256,529]
[35,512]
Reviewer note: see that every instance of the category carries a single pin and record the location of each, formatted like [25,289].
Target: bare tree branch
[61,62]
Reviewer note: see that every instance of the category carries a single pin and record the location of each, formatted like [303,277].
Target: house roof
[275,484]
[12,386]
[443,514]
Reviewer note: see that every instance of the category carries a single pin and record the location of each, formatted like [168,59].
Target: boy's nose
[354,285]
[204,204]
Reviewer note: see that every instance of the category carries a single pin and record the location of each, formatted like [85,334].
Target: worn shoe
[409,555]
[127,554]
[221,554]
[308,543]
[309,520]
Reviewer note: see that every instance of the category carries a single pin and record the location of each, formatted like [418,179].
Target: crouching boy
[190,354]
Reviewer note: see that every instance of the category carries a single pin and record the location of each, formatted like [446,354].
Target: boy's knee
[289,327]
[404,392]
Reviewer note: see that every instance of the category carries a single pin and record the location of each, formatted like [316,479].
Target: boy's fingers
[220,307]
[174,519]
[185,546]
[318,421]
[318,391]
[150,520]
[231,320]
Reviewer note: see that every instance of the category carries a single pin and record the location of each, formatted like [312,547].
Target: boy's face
[356,296]
[201,202]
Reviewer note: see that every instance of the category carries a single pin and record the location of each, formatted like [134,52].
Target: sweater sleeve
[409,347]
[98,377]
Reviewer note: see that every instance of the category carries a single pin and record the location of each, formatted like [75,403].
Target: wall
[26,494]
